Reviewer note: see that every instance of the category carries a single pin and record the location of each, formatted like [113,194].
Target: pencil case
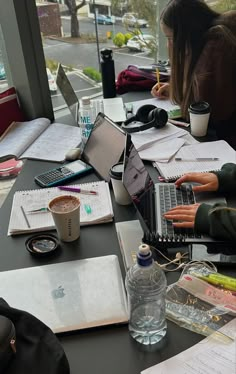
[7,342]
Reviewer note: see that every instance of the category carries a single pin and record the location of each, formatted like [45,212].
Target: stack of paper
[100,208]
[199,157]
[161,144]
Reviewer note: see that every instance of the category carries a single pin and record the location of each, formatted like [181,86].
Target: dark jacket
[218,220]
[215,81]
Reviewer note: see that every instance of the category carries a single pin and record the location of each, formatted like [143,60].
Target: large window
[40,34]
[76,43]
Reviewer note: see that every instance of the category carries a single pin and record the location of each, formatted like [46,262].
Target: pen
[77,189]
[39,210]
[25,216]
[158,78]
[197,159]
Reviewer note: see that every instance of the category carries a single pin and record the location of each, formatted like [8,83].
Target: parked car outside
[2,72]
[105,20]
[51,81]
[132,20]
[142,43]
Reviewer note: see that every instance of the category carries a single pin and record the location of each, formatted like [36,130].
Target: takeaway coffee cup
[199,114]
[65,211]
[121,195]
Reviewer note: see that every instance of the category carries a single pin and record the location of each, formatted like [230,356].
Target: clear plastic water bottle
[146,286]
[86,119]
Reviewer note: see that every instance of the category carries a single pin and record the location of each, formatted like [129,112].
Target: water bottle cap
[85,100]
[144,249]
[144,256]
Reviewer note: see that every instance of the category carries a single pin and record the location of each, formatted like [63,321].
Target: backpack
[37,348]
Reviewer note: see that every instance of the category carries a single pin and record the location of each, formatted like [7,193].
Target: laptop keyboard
[170,197]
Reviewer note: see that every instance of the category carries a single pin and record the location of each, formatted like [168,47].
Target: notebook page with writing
[100,207]
[217,149]
[21,135]
[53,144]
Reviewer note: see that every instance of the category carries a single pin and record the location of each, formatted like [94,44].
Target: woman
[202,49]
[218,220]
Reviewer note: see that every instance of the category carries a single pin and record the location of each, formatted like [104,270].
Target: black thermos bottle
[108,74]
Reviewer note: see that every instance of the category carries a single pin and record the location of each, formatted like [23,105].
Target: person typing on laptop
[216,220]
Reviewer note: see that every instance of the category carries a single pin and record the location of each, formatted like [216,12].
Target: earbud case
[7,342]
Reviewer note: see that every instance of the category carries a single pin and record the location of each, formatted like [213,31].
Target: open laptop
[67,92]
[153,200]
[105,146]
[112,108]
[69,295]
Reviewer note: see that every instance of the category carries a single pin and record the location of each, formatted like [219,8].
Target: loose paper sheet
[210,356]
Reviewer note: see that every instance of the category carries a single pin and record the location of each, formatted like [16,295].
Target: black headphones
[150,116]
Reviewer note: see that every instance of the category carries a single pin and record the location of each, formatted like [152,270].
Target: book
[100,207]
[39,140]
[218,150]
[173,110]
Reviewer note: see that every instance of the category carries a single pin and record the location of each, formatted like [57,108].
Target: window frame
[24,49]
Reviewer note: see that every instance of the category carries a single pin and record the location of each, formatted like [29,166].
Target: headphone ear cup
[159,117]
[143,113]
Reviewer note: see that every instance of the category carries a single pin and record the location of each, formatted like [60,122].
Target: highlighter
[217,279]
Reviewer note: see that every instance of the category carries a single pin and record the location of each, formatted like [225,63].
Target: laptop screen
[140,186]
[105,146]
[67,92]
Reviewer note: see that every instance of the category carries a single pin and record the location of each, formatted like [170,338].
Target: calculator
[64,173]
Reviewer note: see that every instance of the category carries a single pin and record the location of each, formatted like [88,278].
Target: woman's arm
[218,221]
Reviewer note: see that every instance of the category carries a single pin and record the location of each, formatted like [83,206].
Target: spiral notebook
[25,221]
[190,162]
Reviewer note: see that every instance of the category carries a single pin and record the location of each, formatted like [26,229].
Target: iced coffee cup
[199,114]
[65,211]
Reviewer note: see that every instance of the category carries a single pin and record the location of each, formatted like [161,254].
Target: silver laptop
[112,108]
[153,200]
[67,92]
[70,295]
[105,146]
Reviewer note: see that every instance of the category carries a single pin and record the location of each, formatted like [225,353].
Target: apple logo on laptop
[58,293]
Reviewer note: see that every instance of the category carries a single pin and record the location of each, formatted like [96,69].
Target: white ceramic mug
[65,211]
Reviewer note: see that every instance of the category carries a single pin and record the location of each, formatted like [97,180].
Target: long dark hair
[190,21]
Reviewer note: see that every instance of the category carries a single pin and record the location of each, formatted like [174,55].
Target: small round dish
[42,244]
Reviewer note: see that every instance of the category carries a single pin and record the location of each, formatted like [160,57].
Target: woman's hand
[161,93]
[184,213]
[209,181]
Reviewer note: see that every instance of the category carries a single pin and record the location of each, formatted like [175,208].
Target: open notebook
[100,207]
[190,162]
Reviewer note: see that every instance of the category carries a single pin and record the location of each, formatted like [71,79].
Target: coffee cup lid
[116,170]
[200,107]
[42,244]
